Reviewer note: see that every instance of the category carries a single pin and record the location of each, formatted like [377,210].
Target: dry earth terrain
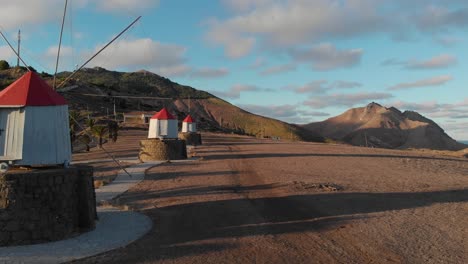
[126,147]
[260,201]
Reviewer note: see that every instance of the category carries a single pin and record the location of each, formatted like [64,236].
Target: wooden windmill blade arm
[13,49]
[60,45]
[97,53]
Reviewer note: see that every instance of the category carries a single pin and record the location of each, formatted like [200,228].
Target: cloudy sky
[295,60]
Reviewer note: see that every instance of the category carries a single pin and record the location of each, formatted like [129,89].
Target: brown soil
[105,170]
[259,201]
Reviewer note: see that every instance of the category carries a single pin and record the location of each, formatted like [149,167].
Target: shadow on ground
[353,155]
[185,229]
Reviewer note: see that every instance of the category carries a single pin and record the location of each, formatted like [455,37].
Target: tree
[73,117]
[113,130]
[100,132]
[90,122]
[85,139]
[4,65]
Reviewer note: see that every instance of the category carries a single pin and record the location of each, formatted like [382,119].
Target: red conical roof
[188,119]
[30,90]
[163,115]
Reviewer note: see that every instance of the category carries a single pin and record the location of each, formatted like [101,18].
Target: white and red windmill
[34,125]
[163,125]
[189,125]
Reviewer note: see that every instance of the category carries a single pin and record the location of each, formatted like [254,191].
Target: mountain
[378,126]
[97,90]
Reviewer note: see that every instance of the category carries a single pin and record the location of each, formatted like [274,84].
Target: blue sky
[295,60]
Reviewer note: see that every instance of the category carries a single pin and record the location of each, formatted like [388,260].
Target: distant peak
[373,104]
[394,109]
[145,72]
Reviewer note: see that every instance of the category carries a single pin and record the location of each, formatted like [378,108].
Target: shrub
[4,65]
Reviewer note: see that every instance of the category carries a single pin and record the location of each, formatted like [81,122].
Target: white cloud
[433,81]
[162,58]
[6,53]
[318,86]
[209,73]
[258,63]
[456,129]
[438,18]
[142,53]
[288,113]
[322,86]
[425,107]
[48,59]
[346,84]
[18,13]
[437,62]
[126,5]
[435,109]
[287,23]
[64,51]
[278,69]
[447,41]
[326,57]
[275,111]
[172,71]
[236,90]
[345,100]
[235,47]
[245,5]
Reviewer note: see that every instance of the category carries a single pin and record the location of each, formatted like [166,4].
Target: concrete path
[114,228]
[123,181]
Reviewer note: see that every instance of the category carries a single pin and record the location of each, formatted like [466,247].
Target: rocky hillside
[378,126]
[97,90]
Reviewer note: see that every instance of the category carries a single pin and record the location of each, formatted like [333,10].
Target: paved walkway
[130,226]
[123,181]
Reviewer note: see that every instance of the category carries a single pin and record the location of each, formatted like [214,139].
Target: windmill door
[3,130]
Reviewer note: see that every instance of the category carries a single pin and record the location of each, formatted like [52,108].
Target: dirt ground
[126,147]
[260,201]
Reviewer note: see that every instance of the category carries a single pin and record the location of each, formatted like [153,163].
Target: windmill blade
[102,147]
[97,53]
[60,44]
[13,49]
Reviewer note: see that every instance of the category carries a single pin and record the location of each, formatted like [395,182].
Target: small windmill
[34,120]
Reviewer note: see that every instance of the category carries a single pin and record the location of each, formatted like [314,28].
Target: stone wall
[192,139]
[166,149]
[43,205]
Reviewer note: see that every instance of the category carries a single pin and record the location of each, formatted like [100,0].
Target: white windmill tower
[189,125]
[34,127]
[163,125]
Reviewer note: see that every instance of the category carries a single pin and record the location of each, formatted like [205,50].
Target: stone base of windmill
[43,205]
[165,149]
[191,139]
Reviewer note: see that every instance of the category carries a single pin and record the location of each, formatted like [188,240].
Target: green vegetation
[73,118]
[99,131]
[90,122]
[140,83]
[218,115]
[236,120]
[4,65]
[113,128]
